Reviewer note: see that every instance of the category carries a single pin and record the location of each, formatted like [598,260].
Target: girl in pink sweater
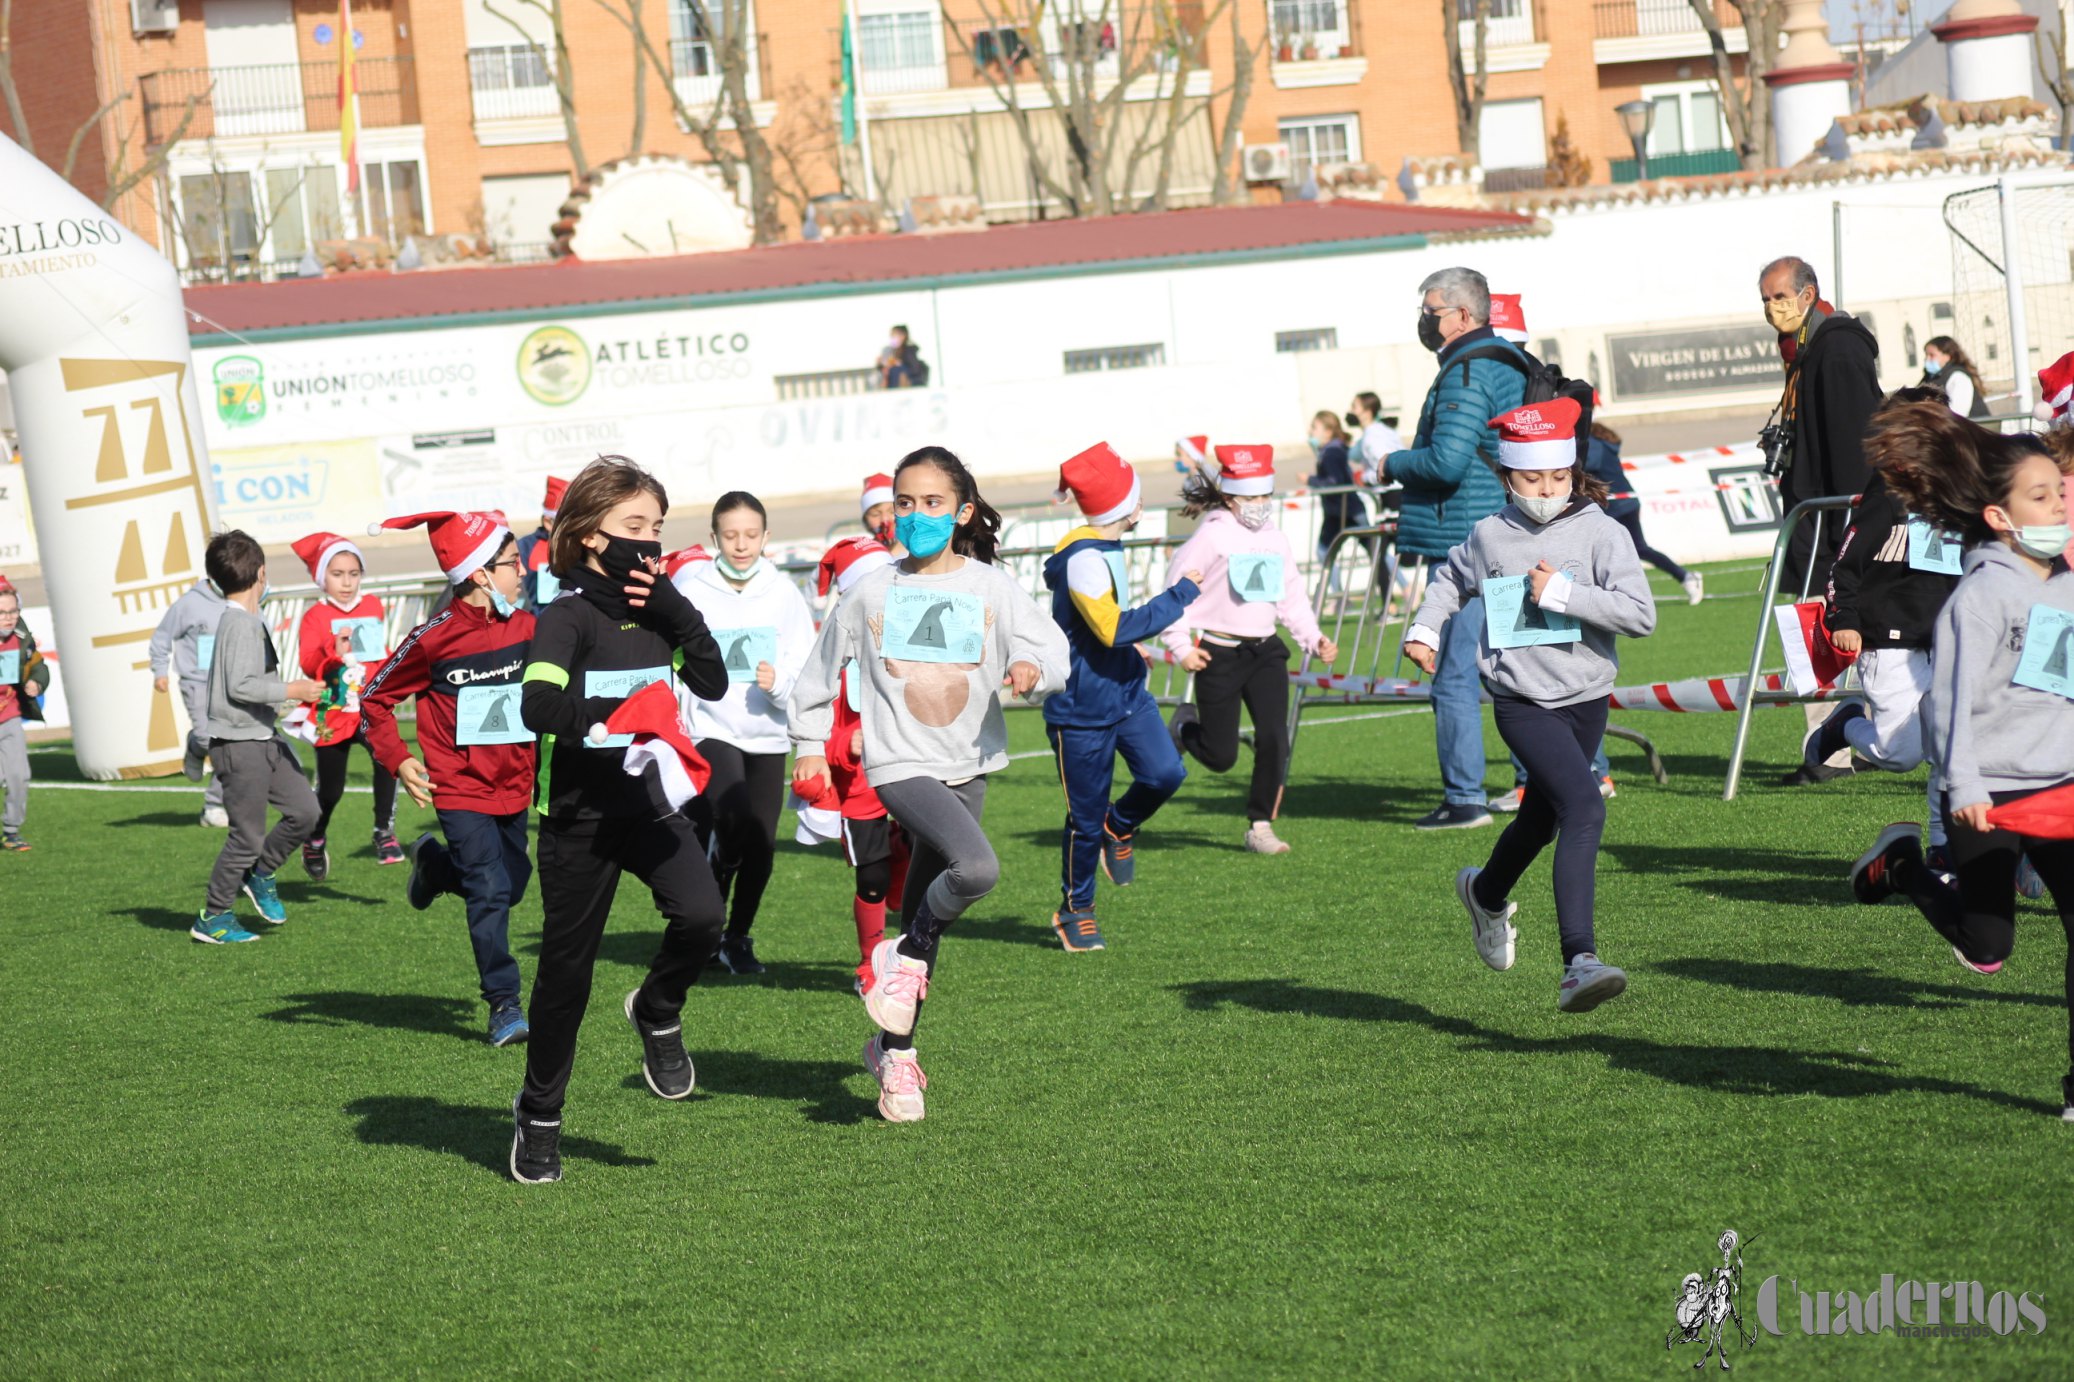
[1250,583]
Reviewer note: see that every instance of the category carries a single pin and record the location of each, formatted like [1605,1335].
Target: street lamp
[1636,117]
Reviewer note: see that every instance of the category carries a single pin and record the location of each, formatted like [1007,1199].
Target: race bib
[933,625]
[204,651]
[1932,549]
[853,690]
[1119,576]
[10,667]
[490,715]
[742,649]
[366,642]
[2048,660]
[617,686]
[546,586]
[1256,577]
[1512,620]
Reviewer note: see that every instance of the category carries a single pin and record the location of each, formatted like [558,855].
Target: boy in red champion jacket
[464,665]
[341,640]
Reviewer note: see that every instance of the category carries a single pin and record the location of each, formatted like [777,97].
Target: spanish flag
[348,99]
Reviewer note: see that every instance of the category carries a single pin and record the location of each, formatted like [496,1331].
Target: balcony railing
[515,82]
[1509,24]
[1316,30]
[695,66]
[278,98]
[917,52]
[1651,18]
[1703,164]
[1515,179]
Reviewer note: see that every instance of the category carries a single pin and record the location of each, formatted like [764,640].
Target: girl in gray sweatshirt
[1554,581]
[2000,709]
[928,641]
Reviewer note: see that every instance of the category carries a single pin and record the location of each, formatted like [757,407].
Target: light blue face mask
[2044,540]
[505,608]
[924,534]
[1932,367]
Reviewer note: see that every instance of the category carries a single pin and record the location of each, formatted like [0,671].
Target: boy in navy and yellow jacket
[1105,708]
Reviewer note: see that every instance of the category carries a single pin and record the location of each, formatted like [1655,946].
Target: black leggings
[738,825]
[1255,673]
[580,865]
[1979,915]
[1562,803]
[1632,521]
[331,785]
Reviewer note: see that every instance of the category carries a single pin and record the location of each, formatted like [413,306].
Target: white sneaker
[1695,587]
[1261,839]
[215,818]
[1587,983]
[1607,789]
[900,1078]
[1492,931]
[898,986]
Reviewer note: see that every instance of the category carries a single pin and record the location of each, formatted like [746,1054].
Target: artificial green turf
[1286,1125]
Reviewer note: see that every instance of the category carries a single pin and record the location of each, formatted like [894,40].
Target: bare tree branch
[1744,104]
[2056,78]
[559,69]
[22,134]
[1468,88]
[122,179]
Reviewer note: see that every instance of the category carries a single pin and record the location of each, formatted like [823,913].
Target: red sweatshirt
[463,665]
[846,768]
[355,635]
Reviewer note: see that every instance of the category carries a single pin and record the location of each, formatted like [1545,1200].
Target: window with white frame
[899,50]
[235,222]
[1507,24]
[1510,134]
[1316,338]
[1316,139]
[695,52]
[1318,24]
[1688,119]
[1115,358]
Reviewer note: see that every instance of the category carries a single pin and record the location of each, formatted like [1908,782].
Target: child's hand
[1195,576]
[1428,658]
[810,776]
[1194,660]
[1847,640]
[1327,649]
[1022,678]
[1539,578]
[158,684]
[857,743]
[1974,817]
[305,689]
[766,675]
[416,781]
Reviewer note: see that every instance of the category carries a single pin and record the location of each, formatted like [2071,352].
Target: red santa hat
[849,562]
[318,549]
[1195,449]
[820,815]
[2056,390]
[551,502]
[1507,320]
[462,543]
[878,489]
[1101,482]
[684,559]
[1539,436]
[1246,470]
[653,717]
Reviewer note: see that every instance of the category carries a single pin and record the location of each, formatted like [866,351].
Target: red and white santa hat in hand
[462,543]
[551,502]
[1195,450]
[878,489]
[2056,391]
[318,549]
[1247,470]
[1539,436]
[1101,482]
[653,717]
[1507,319]
[849,562]
[683,559]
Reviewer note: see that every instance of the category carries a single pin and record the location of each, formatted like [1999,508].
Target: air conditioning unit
[154,16]
[1265,162]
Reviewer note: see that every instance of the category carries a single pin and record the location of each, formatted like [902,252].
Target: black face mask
[1353,422]
[623,556]
[1429,331]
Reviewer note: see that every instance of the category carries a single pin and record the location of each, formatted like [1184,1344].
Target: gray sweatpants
[196,694]
[14,775]
[257,773]
[954,863]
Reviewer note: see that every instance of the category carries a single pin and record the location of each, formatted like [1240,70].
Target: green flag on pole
[849,85]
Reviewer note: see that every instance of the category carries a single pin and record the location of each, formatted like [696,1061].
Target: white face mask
[2043,540]
[1254,513]
[1542,510]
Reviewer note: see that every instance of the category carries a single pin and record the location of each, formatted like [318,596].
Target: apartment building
[232,104]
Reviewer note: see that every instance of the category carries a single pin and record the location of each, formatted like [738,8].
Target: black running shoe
[1872,877]
[1453,816]
[737,955]
[1184,716]
[664,1063]
[1827,739]
[420,890]
[536,1148]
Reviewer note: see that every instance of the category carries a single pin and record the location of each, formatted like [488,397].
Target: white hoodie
[743,622]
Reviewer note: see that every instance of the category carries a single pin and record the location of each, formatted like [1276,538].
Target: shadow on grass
[469,1131]
[1745,875]
[1014,932]
[817,1086]
[1854,988]
[159,918]
[305,893]
[157,818]
[436,1014]
[1767,1070]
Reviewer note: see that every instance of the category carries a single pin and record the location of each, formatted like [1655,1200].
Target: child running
[342,639]
[24,677]
[876,507]
[1570,582]
[931,638]
[536,547]
[874,845]
[764,629]
[1250,582]
[2000,707]
[184,644]
[618,626]
[1105,708]
[258,769]
[463,665]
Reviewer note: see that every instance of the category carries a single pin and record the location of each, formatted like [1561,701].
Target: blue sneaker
[2028,883]
[508,1025]
[221,929]
[266,897]
[1077,930]
[1119,858]
[420,890]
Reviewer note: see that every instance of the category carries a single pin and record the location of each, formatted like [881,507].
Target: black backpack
[1545,384]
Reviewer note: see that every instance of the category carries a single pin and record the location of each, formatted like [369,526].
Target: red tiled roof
[1208,232]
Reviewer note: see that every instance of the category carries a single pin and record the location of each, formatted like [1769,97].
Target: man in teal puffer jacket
[1449,485]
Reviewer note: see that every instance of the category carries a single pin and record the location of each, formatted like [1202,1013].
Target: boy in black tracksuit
[1891,577]
[592,649]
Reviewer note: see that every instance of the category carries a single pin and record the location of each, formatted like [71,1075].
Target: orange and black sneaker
[1077,930]
[1872,877]
[1119,859]
[13,843]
